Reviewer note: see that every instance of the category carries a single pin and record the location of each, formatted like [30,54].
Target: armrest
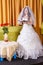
[42,28]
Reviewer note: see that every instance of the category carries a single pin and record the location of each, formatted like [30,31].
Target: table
[7,49]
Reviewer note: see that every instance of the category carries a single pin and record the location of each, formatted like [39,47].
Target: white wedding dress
[29,43]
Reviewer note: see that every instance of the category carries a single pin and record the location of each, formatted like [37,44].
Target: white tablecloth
[7,49]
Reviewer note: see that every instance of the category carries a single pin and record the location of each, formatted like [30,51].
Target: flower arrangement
[5,29]
[5,24]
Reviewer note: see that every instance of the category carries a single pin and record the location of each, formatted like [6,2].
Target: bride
[29,42]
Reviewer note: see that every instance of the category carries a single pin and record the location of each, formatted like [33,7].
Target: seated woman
[29,42]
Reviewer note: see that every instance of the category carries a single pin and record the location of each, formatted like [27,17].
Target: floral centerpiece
[5,32]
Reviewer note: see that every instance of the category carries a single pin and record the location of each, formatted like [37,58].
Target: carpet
[22,62]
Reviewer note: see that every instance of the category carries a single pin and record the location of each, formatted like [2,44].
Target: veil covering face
[20,17]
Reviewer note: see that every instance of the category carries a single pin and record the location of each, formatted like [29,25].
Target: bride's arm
[19,23]
[30,22]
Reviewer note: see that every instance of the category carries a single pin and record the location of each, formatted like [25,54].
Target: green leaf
[5,29]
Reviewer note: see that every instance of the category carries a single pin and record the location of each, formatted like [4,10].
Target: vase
[5,37]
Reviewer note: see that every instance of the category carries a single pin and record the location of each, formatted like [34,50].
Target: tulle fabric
[20,18]
[29,43]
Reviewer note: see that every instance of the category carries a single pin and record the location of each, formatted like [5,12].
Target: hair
[29,15]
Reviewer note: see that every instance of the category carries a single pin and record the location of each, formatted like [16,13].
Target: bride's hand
[20,23]
[29,22]
[24,22]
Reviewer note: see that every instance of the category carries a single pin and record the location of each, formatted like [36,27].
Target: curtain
[10,9]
